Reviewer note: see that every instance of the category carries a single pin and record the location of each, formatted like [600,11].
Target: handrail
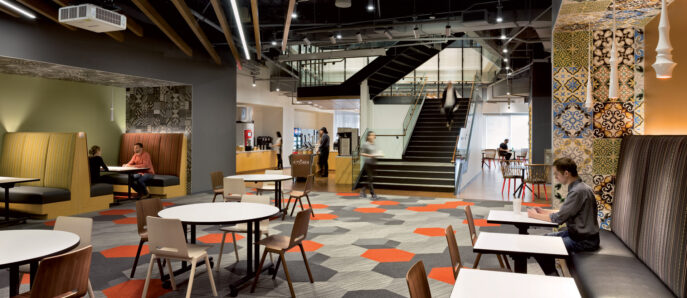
[411,111]
[455,147]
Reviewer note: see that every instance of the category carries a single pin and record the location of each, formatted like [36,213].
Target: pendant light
[589,103]
[613,88]
[664,59]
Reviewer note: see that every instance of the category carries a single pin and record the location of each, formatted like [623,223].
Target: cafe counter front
[248,161]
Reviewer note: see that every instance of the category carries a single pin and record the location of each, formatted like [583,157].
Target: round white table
[20,247]
[226,213]
[277,179]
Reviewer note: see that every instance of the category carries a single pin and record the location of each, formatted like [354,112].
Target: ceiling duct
[475,18]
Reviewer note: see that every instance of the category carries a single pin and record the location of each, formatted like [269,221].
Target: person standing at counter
[277,148]
[369,154]
[323,151]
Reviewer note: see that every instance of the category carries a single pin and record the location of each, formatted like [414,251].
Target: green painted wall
[46,105]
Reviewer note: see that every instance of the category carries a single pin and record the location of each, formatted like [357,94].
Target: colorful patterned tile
[604,191]
[572,120]
[613,119]
[605,165]
[606,147]
[579,150]
[570,83]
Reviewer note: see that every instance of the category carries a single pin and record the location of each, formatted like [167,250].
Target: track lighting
[307,41]
[388,34]
[359,37]
[332,39]
[416,32]
[664,59]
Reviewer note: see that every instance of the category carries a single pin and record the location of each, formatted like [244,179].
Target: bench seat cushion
[101,189]
[614,271]
[37,195]
[158,180]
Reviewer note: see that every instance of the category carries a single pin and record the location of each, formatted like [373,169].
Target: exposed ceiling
[579,15]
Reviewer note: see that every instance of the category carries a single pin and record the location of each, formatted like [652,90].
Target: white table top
[10,180]
[474,283]
[520,244]
[124,169]
[219,213]
[261,177]
[509,217]
[23,246]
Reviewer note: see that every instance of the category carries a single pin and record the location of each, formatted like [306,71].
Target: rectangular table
[520,247]
[474,283]
[520,220]
[7,183]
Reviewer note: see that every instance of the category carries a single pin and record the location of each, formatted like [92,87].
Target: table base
[245,281]
[520,264]
[12,221]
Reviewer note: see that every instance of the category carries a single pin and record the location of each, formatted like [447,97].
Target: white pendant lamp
[613,88]
[664,59]
[589,103]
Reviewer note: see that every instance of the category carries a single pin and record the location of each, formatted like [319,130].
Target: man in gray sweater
[578,213]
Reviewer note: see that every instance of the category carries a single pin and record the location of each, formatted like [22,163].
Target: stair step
[414,148]
[413,153]
[428,159]
[415,173]
[418,187]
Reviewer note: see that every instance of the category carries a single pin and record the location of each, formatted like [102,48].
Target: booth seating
[60,161]
[168,154]
[644,255]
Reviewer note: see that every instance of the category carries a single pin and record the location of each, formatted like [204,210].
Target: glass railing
[467,151]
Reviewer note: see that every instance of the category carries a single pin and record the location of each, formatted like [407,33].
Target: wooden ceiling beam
[287,24]
[45,10]
[191,21]
[256,27]
[130,23]
[154,16]
[219,11]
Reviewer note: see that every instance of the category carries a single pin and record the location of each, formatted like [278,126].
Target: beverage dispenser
[245,128]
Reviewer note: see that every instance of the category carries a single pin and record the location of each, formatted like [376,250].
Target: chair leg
[236,247]
[508,187]
[300,202]
[503,185]
[90,289]
[150,271]
[212,280]
[276,268]
[171,274]
[524,189]
[545,193]
[298,199]
[286,272]
[221,250]
[190,277]
[310,205]
[138,254]
[479,256]
[500,261]
[505,260]
[257,273]
[288,202]
[305,259]
[214,197]
[159,267]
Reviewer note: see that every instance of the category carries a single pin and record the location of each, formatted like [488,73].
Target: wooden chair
[456,263]
[280,244]
[63,276]
[536,174]
[522,154]
[81,226]
[297,195]
[217,179]
[268,186]
[167,241]
[234,189]
[243,227]
[488,156]
[473,239]
[418,285]
[145,208]
[509,172]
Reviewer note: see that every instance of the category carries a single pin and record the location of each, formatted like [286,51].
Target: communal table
[20,247]
[277,179]
[519,220]
[471,283]
[225,213]
[520,247]
[129,171]
[7,183]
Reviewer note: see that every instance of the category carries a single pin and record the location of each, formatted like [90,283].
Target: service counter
[247,161]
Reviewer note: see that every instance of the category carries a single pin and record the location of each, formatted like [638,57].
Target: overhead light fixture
[274,42]
[253,81]
[294,15]
[307,41]
[508,93]
[505,59]
[240,26]
[388,34]
[359,37]
[503,36]
[448,30]
[613,88]
[277,89]
[370,6]
[507,67]
[664,64]
[18,9]
[338,35]
[499,15]
[416,32]
[332,39]
[505,50]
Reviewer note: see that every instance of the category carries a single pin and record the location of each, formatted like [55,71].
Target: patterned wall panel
[161,109]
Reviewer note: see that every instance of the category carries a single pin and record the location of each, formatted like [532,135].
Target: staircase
[427,163]
[381,73]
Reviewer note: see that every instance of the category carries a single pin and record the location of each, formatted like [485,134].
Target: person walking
[277,148]
[369,154]
[449,104]
[323,151]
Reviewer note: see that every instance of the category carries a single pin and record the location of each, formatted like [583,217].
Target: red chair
[536,174]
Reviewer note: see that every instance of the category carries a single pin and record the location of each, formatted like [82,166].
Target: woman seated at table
[95,163]
[578,212]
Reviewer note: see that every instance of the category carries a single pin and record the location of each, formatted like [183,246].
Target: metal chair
[510,170]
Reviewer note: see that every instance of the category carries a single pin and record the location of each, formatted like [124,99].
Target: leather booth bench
[645,253]
[60,161]
[168,154]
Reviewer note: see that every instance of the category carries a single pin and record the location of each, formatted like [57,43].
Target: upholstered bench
[37,195]
[644,254]
[101,189]
[168,154]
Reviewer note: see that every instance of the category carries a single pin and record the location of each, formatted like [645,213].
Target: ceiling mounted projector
[343,3]
[92,18]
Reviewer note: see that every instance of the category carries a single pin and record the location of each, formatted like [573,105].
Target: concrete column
[540,101]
